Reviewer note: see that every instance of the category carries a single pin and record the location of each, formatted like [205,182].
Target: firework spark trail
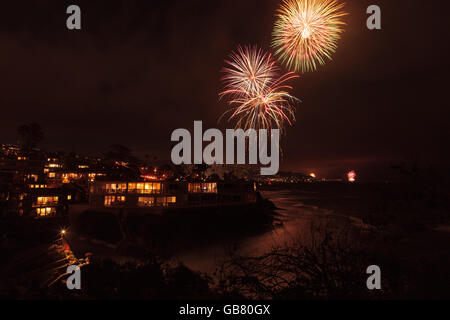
[306,32]
[259,95]
[249,69]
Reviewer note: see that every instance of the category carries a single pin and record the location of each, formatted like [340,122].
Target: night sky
[140,69]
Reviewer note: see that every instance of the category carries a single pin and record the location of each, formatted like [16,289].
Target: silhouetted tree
[120,153]
[200,170]
[331,265]
[29,136]
[179,172]
[214,177]
[128,164]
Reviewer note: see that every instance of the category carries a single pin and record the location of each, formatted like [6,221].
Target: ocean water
[296,221]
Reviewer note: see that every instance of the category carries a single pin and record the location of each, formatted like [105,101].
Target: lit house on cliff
[162,194]
[39,200]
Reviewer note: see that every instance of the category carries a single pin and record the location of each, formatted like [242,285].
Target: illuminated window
[51,175]
[194,187]
[206,187]
[110,188]
[122,187]
[109,200]
[114,200]
[47,200]
[42,212]
[65,177]
[131,187]
[116,187]
[148,187]
[165,201]
[146,201]
[152,187]
[69,197]
[171,199]
[209,187]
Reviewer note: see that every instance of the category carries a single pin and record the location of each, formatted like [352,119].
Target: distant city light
[351,176]
[312,175]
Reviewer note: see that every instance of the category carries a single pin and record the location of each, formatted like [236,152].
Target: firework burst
[259,96]
[249,69]
[306,32]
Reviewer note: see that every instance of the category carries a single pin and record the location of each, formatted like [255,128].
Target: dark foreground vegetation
[330,266]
